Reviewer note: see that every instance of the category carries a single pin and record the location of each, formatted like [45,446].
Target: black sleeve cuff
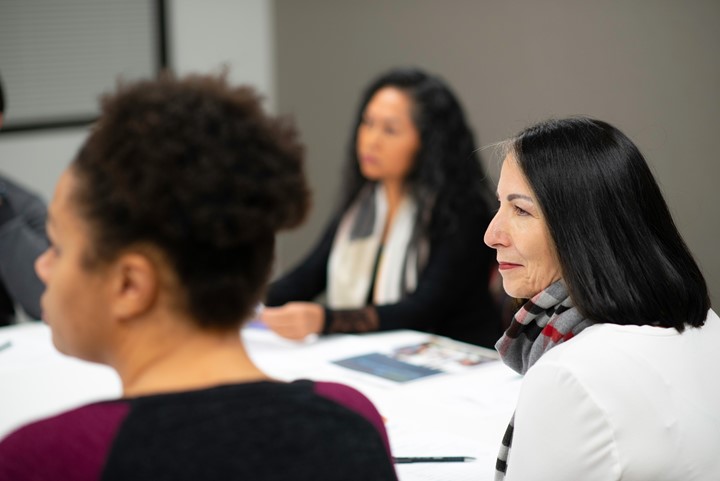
[328,320]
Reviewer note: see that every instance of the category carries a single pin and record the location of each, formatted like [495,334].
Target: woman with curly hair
[404,250]
[162,234]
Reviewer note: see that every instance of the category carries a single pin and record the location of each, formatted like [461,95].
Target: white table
[463,414]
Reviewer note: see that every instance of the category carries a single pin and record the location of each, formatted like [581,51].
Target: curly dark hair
[447,173]
[193,167]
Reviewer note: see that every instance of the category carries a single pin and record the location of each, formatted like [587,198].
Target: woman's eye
[520,211]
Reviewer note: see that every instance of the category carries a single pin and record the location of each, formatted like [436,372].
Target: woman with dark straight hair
[403,250]
[615,319]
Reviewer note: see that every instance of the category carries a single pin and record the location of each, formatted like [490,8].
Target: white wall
[239,34]
[36,159]
[204,36]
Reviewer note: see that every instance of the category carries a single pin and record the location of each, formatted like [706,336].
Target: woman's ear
[134,287]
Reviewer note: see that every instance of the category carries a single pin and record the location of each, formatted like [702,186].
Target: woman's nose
[372,135]
[495,235]
[42,266]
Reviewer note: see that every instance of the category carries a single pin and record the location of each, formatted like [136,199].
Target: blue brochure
[387,367]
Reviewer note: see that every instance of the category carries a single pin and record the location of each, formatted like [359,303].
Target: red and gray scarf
[543,322]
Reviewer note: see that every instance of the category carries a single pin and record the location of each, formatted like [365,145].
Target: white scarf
[355,250]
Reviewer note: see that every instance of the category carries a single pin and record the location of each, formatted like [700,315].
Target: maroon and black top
[257,431]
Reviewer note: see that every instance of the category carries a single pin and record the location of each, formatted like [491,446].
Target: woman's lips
[369,159]
[504,266]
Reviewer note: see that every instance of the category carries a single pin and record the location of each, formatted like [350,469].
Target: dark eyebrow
[519,196]
[392,121]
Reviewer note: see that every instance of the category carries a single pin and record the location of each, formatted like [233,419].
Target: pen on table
[433,459]
[5,345]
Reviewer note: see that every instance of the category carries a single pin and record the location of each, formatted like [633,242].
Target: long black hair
[622,257]
[447,174]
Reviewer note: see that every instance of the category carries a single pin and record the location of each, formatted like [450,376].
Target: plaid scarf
[543,322]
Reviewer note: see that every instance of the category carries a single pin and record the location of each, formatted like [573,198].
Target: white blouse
[631,403]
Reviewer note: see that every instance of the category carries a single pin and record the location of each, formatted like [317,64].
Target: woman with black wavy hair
[405,248]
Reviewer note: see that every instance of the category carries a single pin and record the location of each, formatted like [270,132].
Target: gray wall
[651,67]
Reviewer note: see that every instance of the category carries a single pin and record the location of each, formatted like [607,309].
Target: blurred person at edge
[22,240]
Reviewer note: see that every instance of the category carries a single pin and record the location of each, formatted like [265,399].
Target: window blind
[57,57]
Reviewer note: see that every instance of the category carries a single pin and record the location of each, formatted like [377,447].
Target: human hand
[295,320]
